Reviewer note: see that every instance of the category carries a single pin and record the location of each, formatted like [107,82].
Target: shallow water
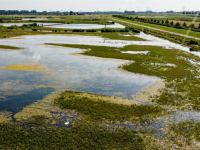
[87,26]
[36,18]
[20,24]
[62,68]
[58,69]
[68,26]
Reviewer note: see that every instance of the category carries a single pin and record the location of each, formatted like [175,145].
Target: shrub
[78,30]
[109,30]
[136,30]
[192,41]
[91,30]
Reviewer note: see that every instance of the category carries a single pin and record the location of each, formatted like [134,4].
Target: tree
[199,26]
[192,25]
[71,12]
[167,21]
[184,24]
[172,23]
[162,21]
[177,24]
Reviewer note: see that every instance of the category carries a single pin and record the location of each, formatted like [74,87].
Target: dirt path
[187,36]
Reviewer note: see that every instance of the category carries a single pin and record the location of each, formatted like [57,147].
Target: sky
[100,5]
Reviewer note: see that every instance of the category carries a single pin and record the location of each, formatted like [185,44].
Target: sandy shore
[144,94]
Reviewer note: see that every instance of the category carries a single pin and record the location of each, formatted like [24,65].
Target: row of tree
[163,22]
[32,12]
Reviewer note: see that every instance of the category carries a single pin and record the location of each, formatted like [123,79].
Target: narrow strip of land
[187,36]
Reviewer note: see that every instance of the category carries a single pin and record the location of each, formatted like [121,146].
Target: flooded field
[39,69]
[31,79]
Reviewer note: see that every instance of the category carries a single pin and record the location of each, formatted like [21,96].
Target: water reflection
[90,74]
[68,26]
[87,26]
[20,24]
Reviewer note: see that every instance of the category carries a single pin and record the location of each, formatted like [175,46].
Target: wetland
[114,91]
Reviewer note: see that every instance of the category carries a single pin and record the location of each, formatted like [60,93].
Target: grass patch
[37,67]
[84,135]
[188,130]
[9,47]
[100,110]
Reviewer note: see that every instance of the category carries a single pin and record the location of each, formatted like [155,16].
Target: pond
[34,72]
[68,26]
[36,18]
[20,24]
[87,26]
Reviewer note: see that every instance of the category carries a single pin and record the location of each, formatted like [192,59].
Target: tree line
[32,12]
[163,22]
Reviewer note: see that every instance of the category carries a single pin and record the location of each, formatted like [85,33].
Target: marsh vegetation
[105,122]
[182,84]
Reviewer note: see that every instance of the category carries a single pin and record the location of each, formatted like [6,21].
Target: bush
[124,30]
[109,30]
[78,30]
[25,25]
[136,30]
[91,30]
[192,41]
[34,29]
[179,27]
[34,25]
[13,27]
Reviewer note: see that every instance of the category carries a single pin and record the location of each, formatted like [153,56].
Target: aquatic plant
[185,88]
[185,132]
[100,110]
[83,135]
